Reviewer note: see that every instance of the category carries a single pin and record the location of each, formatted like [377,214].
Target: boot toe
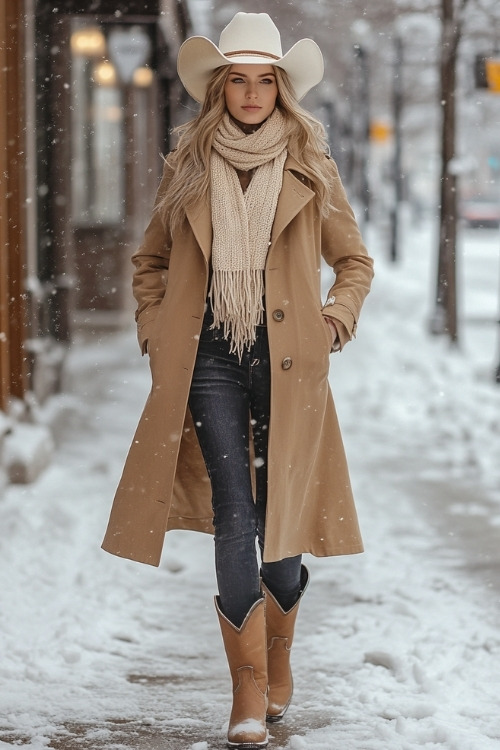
[247,735]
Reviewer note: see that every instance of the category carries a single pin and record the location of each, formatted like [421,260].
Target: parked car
[481,212]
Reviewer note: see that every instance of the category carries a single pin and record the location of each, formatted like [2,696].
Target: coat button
[278,315]
[286,363]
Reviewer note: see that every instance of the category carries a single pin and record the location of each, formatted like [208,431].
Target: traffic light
[493,74]
[487,72]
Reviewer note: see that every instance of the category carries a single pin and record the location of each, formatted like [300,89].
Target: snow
[28,450]
[395,649]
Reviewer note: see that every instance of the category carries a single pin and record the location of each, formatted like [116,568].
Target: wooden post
[13,370]
[17,197]
[4,267]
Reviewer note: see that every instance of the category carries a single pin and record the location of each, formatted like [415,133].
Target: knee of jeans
[283,577]
[235,524]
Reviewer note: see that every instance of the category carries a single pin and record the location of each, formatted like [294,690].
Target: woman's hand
[333,330]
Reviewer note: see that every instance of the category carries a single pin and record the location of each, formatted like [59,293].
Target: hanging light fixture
[88,41]
[143,77]
[104,74]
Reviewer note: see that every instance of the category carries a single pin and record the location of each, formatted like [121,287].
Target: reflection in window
[98,142]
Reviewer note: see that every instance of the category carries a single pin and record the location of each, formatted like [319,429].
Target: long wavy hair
[191,159]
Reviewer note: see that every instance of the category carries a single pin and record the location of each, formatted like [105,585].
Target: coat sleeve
[151,262]
[343,249]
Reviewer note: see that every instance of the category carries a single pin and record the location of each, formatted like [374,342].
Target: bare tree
[452,25]
[445,318]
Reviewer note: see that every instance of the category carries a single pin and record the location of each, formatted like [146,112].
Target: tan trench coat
[164,483]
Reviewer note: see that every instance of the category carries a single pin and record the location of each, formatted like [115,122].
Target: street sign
[380,131]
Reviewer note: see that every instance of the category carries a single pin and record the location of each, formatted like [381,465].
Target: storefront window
[98,137]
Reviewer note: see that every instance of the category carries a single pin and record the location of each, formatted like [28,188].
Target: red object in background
[481,212]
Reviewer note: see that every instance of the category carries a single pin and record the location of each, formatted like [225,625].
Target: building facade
[88,96]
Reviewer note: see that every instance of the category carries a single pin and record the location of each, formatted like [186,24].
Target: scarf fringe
[236,299]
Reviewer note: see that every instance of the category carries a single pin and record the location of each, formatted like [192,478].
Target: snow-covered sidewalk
[398,648]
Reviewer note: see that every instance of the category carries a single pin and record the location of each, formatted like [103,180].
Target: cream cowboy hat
[248,38]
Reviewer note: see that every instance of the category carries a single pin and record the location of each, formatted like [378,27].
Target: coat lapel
[293,197]
[200,219]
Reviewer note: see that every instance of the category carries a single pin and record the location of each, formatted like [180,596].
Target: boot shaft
[246,652]
[280,628]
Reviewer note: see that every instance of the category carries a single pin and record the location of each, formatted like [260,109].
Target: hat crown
[251,32]
[248,39]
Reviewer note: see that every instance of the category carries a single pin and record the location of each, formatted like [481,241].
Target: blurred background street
[397,648]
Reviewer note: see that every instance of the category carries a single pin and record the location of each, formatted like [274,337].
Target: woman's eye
[236,80]
[267,80]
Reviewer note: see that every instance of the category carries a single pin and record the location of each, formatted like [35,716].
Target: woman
[239,436]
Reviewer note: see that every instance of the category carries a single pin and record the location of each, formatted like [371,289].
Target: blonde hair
[191,160]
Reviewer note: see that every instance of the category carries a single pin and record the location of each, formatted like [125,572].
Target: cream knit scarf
[242,223]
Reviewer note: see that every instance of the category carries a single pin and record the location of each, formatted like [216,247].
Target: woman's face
[251,92]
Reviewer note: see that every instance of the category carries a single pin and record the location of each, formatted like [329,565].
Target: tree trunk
[445,320]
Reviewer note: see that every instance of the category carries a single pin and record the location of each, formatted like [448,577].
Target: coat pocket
[328,334]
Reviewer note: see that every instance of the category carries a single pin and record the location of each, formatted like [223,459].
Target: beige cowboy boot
[280,627]
[246,655]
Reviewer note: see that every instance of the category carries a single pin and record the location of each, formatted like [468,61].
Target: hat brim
[199,57]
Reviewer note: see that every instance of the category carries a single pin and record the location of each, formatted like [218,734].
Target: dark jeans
[225,395]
